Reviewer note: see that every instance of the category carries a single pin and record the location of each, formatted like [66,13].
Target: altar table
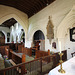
[68,66]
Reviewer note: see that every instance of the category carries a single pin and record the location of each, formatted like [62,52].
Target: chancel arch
[10,12]
[15,17]
[16,32]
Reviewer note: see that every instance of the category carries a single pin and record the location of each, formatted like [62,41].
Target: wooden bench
[22,49]
[39,53]
[17,59]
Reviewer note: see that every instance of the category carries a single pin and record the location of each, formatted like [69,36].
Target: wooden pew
[13,46]
[16,58]
[39,53]
[22,49]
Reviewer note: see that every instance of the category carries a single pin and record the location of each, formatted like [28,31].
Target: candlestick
[60,46]
[61,69]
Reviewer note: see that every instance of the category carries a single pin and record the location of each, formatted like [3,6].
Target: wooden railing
[34,67]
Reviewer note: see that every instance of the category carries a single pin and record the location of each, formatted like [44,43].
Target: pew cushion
[27,57]
[7,63]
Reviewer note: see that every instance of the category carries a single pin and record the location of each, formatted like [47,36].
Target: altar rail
[34,67]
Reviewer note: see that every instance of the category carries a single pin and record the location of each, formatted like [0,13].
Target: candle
[60,46]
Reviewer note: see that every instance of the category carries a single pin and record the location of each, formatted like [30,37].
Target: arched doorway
[2,37]
[39,40]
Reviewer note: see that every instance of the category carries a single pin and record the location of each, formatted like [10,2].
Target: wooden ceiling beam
[32,5]
[9,23]
[41,4]
[37,4]
[28,6]
[50,1]
[47,1]
[23,9]
[27,11]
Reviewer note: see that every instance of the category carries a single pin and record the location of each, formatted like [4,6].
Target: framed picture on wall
[54,45]
[72,34]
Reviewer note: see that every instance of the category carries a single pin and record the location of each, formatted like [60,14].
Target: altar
[68,66]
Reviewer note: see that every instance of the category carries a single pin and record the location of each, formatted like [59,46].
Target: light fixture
[47,4]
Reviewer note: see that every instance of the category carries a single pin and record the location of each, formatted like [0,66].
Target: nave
[35,34]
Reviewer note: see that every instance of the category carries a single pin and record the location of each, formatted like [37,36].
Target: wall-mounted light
[47,4]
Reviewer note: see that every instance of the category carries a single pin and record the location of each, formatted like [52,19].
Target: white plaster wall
[69,46]
[63,33]
[57,10]
[5,30]
[14,31]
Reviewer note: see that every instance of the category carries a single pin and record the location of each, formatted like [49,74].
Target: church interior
[37,37]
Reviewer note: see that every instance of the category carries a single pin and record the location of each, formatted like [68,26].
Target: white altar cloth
[68,66]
